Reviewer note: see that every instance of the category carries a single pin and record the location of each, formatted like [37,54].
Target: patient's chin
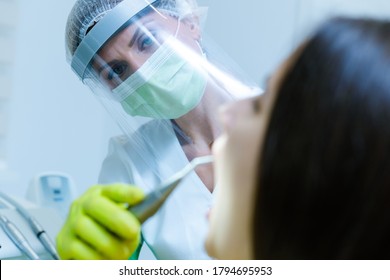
[209,246]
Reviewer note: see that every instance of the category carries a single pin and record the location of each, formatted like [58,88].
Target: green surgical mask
[166,86]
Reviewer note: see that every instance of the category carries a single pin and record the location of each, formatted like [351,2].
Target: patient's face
[237,167]
[236,152]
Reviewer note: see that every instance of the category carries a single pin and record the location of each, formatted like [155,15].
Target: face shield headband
[103,31]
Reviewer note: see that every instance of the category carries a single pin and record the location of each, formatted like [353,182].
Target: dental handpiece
[35,226]
[18,238]
[154,200]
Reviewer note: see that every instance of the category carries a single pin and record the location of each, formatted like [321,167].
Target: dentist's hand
[99,226]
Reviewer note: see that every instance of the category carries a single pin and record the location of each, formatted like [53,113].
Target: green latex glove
[99,226]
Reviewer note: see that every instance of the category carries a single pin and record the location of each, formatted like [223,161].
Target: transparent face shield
[158,75]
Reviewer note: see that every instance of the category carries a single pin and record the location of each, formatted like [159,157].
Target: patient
[304,169]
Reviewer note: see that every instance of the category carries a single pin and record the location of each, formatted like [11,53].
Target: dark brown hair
[324,178]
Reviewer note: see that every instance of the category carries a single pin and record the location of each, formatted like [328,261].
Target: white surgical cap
[85,13]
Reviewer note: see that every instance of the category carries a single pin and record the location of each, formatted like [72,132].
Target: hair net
[85,13]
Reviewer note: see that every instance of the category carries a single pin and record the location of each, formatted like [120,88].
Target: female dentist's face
[127,51]
[237,153]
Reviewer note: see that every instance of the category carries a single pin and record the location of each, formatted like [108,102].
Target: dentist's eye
[116,71]
[146,41]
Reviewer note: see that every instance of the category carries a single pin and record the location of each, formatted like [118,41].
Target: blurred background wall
[50,122]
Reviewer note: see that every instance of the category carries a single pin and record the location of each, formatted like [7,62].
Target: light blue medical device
[52,189]
[154,200]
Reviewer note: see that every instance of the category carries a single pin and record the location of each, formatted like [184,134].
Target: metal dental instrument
[35,226]
[18,238]
[154,200]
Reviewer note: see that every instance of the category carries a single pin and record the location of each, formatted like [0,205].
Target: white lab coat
[178,229]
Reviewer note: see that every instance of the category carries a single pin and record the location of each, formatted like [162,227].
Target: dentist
[162,80]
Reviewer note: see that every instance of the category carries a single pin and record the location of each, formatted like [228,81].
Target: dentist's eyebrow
[135,36]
